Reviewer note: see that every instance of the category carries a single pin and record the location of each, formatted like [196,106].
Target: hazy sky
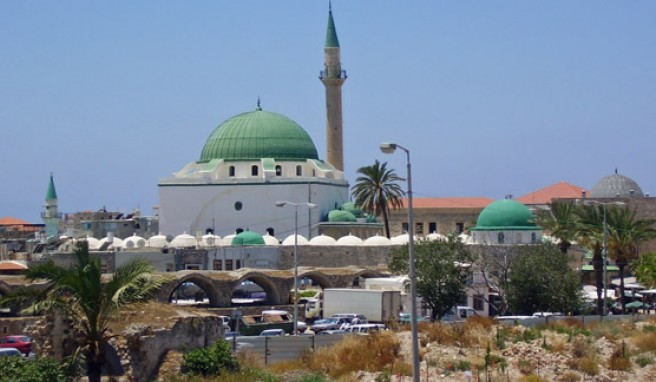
[491,97]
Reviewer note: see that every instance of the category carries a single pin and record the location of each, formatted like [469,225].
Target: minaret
[333,78]
[50,216]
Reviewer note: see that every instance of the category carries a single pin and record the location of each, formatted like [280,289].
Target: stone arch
[270,286]
[205,283]
[318,277]
[365,274]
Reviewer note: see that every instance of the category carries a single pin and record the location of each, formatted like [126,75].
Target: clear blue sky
[492,97]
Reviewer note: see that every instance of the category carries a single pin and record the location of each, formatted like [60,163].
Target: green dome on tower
[259,134]
[506,214]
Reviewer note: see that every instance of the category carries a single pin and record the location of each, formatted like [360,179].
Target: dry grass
[645,342]
[375,352]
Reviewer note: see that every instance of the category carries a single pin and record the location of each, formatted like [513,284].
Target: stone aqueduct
[220,285]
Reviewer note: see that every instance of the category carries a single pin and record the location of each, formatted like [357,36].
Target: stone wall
[16,325]
[362,256]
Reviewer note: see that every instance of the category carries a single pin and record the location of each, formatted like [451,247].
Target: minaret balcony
[329,74]
[44,215]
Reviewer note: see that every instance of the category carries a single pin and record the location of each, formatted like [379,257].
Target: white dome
[349,240]
[134,241]
[184,241]
[210,240]
[227,240]
[92,242]
[157,241]
[116,243]
[435,236]
[290,240]
[377,240]
[401,239]
[322,240]
[270,240]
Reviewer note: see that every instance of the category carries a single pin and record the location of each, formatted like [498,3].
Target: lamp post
[389,148]
[604,310]
[295,205]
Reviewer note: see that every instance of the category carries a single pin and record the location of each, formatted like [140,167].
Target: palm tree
[625,232]
[376,189]
[560,219]
[589,234]
[92,300]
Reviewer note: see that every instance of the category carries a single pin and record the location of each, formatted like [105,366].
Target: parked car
[22,343]
[329,332]
[364,329]
[354,318]
[9,352]
[272,333]
[332,323]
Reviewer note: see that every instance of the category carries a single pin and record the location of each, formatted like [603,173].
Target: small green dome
[506,214]
[341,216]
[259,134]
[248,238]
[350,207]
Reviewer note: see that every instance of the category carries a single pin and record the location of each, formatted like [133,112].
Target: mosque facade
[256,159]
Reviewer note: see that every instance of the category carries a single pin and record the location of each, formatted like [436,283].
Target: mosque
[256,159]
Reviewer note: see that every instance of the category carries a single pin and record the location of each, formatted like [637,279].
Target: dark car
[22,343]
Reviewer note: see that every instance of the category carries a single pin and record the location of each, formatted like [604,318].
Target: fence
[282,348]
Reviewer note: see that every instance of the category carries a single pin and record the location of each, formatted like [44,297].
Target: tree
[541,280]
[625,232]
[81,292]
[376,189]
[560,220]
[493,268]
[589,233]
[644,268]
[442,268]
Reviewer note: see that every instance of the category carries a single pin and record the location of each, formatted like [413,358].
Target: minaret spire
[51,217]
[333,78]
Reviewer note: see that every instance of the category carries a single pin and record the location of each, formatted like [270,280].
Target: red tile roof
[555,191]
[8,220]
[460,202]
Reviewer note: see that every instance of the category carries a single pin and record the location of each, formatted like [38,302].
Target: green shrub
[44,369]
[644,360]
[313,378]
[210,360]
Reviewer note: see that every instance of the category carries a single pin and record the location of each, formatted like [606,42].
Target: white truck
[376,305]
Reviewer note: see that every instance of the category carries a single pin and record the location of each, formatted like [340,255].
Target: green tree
[644,268]
[541,280]
[210,360]
[625,232]
[561,221]
[82,292]
[376,189]
[442,268]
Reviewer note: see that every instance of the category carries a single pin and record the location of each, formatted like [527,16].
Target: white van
[9,352]
[459,313]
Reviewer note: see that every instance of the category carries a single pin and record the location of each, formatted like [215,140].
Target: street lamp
[295,205]
[604,311]
[389,148]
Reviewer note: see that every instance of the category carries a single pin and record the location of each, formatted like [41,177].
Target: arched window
[299,170]
[501,238]
[278,170]
[534,238]
[254,170]
[231,171]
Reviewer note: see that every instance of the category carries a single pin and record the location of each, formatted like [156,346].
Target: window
[231,171]
[479,302]
[254,170]
[238,264]
[299,170]
[534,238]
[238,206]
[216,265]
[460,227]
[501,238]
[228,265]
[419,228]
[278,170]
[404,227]
[432,227]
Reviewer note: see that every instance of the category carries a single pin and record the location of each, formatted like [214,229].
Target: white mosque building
[255,159]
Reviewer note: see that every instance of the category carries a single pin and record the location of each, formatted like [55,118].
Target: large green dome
[506,214]
[259,134]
